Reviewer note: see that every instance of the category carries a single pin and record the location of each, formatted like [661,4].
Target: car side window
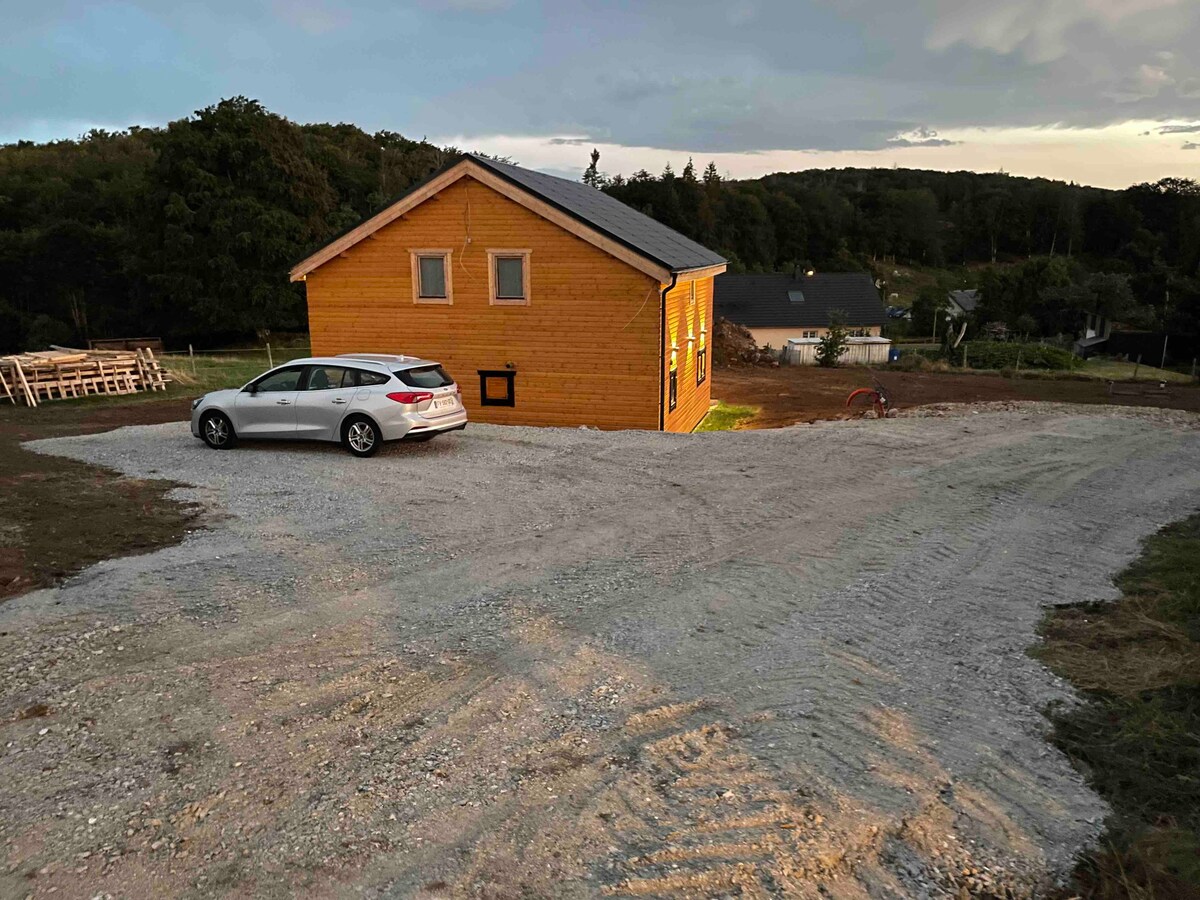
[283,380]
[368,379]
[325,378]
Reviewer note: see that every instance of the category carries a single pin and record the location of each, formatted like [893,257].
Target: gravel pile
[538,662]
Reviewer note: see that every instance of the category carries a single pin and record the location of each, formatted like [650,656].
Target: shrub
[996,355]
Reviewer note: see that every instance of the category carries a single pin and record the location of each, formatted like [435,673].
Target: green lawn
[202,373]
[1123,371]
[726,417]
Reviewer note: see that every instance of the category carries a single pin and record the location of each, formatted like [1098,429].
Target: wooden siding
[585,348]
[685,319]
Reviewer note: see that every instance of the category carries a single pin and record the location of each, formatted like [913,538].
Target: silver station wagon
[357,399]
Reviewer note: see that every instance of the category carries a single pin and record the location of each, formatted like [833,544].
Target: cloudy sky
[1104,92]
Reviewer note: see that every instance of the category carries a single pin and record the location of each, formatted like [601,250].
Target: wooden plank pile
[32,378]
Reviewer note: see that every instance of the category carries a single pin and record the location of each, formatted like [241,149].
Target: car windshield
[425,377]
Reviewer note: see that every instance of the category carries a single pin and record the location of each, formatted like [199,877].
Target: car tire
[217,431]
[361,436]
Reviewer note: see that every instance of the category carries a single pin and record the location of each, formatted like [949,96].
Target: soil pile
[734,345]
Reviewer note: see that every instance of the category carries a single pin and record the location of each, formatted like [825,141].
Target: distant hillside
[188,230]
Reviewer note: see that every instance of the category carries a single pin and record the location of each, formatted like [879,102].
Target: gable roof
[965,300]
[588,213]
[782,300]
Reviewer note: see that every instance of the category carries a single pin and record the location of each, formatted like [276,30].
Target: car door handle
[339,400]
[284,402]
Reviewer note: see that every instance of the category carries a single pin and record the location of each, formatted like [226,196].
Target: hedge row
[998,355]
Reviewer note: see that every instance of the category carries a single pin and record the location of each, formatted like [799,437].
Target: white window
[431,276]
[508,277]
[809,334]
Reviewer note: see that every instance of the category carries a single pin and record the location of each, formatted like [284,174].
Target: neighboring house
[1097,329]
[550,302]
[777,308]
[962,303]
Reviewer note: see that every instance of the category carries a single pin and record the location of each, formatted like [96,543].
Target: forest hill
[188,230]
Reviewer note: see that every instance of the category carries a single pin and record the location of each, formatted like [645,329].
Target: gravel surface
[530,662]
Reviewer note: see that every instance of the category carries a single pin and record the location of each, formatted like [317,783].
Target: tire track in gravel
[777,663]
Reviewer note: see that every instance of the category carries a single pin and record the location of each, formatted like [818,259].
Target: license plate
[443,403]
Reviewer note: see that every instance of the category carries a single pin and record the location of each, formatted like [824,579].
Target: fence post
[1137,366]
[192,357]
[270,359]
[964,356]
[1018,360]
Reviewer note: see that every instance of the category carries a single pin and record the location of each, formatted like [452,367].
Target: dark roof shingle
[622,223]
[766,301]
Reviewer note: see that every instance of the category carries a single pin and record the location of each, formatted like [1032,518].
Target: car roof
[390,361]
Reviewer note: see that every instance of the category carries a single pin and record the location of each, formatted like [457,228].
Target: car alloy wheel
[216,431]
[361,436]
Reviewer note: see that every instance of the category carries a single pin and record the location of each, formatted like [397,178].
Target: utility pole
[1166,337]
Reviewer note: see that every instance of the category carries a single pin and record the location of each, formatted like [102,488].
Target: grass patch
[1112,370]
[199,374]
[1137,736]
[726,417]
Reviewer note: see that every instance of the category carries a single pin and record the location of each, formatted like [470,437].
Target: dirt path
[58,515]
[792,394]
[526,662]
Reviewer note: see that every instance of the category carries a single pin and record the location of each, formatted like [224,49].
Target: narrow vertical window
[508,276]
[673,384]
[431,276]
[701,365]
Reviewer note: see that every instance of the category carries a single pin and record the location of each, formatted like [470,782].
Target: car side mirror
[251,389]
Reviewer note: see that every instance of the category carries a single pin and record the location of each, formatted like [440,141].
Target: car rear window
[425,377]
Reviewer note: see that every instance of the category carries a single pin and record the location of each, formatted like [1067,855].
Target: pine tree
[668,173]
[591,175]
[710,174]
[689,172]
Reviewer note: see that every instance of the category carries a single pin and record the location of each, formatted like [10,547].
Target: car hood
[221,398]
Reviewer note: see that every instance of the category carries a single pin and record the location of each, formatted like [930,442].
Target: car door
[266,408]
[322,404]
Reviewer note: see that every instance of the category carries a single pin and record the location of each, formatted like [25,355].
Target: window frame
[447,257]
[701,366]
[510,378]
[493,281]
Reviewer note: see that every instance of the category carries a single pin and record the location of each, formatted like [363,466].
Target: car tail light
[458,389]
[410,396]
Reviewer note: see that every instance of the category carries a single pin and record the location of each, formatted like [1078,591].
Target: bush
[997,355]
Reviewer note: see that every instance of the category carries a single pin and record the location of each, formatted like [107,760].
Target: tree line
[1041,252]
[187,231]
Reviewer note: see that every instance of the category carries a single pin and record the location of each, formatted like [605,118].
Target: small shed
[860,351]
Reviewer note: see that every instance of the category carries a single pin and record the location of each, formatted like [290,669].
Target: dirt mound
[734,345]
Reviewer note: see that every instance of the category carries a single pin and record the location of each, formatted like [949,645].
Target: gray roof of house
[785,301]
[606,214]
[966,300]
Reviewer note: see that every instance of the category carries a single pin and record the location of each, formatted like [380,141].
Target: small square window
[497,387]
[509,277]
[431,276]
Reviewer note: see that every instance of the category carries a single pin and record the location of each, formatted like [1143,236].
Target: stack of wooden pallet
[33,378]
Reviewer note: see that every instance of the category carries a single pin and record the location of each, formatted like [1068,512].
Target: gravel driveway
[522,662]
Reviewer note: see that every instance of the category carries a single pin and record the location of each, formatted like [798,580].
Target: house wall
[689,328]
[585,349]
[777,338]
